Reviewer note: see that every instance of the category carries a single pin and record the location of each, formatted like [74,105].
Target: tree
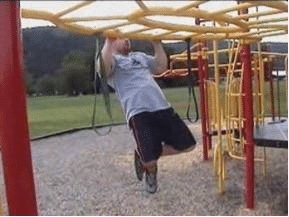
[46,85]
[30,84]
[74,76]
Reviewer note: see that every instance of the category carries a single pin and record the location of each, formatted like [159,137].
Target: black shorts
[152,129]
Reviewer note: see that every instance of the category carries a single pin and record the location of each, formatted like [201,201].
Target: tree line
[77,76]
[76,73]
[59,62]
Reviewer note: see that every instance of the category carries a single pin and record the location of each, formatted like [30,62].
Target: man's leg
[150,169]
[151,176]
[169,150]
[150,166]
[148,149]
[138,165]
[176,135]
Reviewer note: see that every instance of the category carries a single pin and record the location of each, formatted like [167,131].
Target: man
[157,129]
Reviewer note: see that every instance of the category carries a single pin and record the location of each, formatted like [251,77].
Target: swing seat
[273,135]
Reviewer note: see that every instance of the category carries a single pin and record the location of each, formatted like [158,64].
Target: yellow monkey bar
[230,24]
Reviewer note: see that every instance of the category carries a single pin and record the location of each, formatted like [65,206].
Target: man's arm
[107,56]
[160,57]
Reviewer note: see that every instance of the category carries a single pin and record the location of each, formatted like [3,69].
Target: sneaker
[151,181]
[139,169]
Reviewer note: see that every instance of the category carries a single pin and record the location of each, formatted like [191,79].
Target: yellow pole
[73,8]
[261,74]
[256,88]
[217,90]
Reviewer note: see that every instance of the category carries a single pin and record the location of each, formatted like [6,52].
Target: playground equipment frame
[14,131]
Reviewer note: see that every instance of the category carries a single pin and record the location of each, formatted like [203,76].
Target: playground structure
[230,139]
[241,25]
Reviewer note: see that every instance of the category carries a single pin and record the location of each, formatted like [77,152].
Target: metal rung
[235,139]
[237,119]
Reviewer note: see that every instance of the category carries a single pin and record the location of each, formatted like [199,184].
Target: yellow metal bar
[270,53]
[191,5]
[217,82]
[261,13]
[228,51]
[244,158]
[166,33]
[235,94]
[233,106]
[259,32]
[240,106]
[110,27]
[74,27]
[227,99]
[232,8]
[187,28]
[184,53]
[139,30]
[71,9]
[268,26]
[236,118]
[139,17]
[94,18]
[37,14]
[261,81]
[235,25]
[274,34]
[280,5]
[268,21]
[256,89]
[218,115]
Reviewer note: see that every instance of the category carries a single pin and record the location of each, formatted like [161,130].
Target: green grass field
[49,114]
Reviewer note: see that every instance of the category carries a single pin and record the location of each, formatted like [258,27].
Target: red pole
[248,124]
[203,103]
[202,98]
[14,133]
[248,114]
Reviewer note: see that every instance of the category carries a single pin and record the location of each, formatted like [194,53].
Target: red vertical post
[14,132]
[249,119]
[203,103]
[202,98]
[248,124]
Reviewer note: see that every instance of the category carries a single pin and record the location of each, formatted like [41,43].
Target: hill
[45,48]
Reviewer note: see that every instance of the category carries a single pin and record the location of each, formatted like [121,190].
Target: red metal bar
[202,98]
[203,104]
[248,114]
[248,125]
[205,65]
[14,132]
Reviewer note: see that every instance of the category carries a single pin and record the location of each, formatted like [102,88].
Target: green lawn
[54,113]
[49,114]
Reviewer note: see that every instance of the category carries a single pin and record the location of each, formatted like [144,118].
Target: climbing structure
[149,22]
[239,22]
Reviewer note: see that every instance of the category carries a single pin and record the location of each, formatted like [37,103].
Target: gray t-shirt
[133,81]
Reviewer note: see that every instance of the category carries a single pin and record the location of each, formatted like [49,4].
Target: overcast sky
[106,8]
